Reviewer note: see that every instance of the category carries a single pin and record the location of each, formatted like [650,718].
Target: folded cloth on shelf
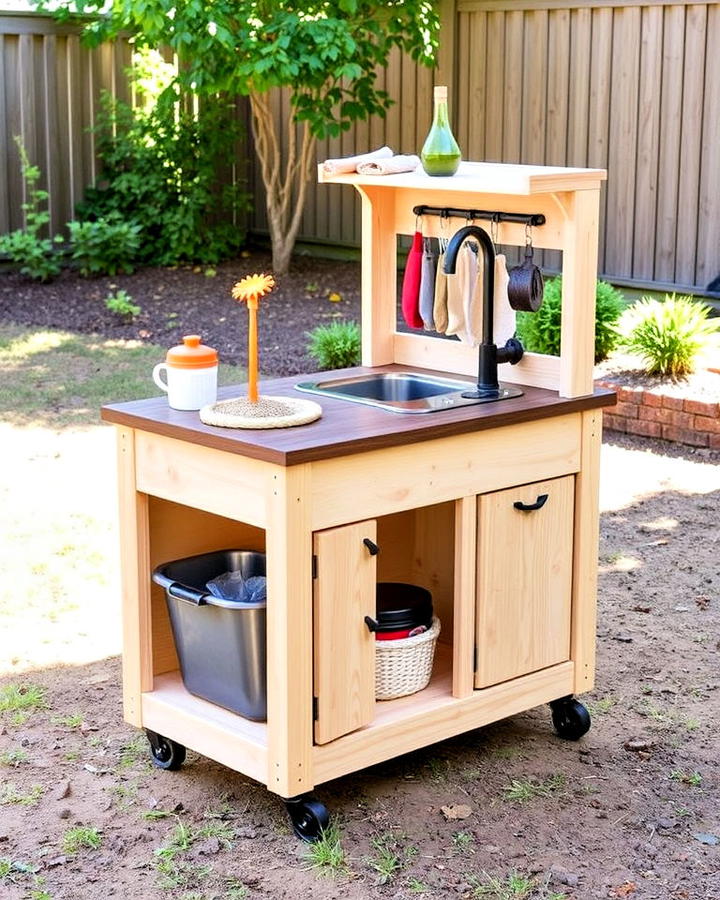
[392,166]
[350,163]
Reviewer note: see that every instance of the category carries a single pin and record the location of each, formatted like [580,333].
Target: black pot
[402,607]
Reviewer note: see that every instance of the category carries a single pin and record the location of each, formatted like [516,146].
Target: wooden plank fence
[629,86]
[49,94]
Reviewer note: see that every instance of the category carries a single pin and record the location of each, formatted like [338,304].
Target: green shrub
[668,334]
[540,331]
[159,171]
[121,304]
[106,246]
[335,346]
[25,247]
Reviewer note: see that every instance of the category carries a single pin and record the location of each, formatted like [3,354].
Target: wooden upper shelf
[484,178]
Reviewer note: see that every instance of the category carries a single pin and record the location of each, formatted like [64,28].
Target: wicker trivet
[268,412]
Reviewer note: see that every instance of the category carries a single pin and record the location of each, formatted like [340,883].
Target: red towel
[411,284]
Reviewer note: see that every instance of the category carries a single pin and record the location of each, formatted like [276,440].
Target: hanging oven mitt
[427,284]
[458,286]
[504,317]
[440,316]
[411,284]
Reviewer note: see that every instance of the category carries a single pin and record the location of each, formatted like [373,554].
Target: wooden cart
[515,589]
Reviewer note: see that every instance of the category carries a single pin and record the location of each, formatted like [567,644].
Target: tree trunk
[285,180]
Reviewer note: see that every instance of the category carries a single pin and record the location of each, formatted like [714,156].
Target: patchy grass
[694,779]
[83,837]
[327,855]
[15,697]
[11,794]
[13,757]
[57,379]
[523,790]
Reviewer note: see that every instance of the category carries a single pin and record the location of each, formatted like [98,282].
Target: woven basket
[405,666]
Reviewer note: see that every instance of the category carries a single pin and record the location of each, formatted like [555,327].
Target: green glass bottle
[440,154]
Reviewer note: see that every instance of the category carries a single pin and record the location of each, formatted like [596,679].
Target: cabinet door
[344,651]
[524,579]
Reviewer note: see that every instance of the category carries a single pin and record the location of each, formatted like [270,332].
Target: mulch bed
[188,300]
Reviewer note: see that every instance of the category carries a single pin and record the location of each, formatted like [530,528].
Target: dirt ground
[631,810]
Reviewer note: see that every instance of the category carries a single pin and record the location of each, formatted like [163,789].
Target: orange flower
[252,288]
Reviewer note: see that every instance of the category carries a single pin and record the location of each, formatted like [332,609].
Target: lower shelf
[171,710]
[399,726]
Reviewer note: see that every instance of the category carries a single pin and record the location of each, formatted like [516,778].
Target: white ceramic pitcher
[191,371]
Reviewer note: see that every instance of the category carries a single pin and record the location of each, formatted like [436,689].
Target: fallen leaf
[624,890]
[334,297]
[456,811]
[702,602]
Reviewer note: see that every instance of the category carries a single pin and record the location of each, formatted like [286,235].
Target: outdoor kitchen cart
[492,507]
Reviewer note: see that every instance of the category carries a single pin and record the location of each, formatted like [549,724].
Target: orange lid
[191,354]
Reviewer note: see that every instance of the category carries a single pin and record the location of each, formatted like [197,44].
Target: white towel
[393,166]
[459,286]
[350,163]
[504,317]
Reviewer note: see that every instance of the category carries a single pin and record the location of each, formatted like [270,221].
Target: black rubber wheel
[309,818]
[570,718]
[165,753]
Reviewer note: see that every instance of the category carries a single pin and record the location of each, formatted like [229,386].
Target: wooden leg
[289,634]
[135,569]
[464,613]
[585,563]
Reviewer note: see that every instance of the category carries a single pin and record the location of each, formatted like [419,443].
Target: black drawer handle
[371,623]
[373,548]
[528,507]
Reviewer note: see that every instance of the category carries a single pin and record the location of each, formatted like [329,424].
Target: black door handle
[528,507]
[373,548]
[371,623]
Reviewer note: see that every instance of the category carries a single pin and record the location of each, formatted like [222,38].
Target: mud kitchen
[468,472]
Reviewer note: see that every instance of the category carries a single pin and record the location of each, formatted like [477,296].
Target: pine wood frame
[216,498]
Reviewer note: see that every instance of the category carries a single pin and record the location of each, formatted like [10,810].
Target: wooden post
[577,339]
[289,633]
[135,580]
[379,275]
[464,603]
[585,561]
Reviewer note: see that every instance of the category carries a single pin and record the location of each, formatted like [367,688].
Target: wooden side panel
[135,574]
[344,651]
[464,596]
[289,633]
[585,550]
[524,580]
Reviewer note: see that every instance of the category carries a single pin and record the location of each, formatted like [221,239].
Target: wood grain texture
[344,648]
[524,580]
[434,714]
[463,673]
[135,570]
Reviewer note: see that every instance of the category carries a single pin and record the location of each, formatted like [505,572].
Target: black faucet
[489,354]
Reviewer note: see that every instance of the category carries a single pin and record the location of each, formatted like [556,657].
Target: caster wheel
[166,754]
[570,718]
[309,818]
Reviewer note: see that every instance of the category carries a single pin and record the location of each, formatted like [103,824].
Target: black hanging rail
[451,212]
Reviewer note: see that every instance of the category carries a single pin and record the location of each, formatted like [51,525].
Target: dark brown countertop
[344,427]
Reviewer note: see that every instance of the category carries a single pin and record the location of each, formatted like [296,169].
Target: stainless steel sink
[401,392]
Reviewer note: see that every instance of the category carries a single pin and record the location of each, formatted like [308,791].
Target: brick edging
[657,415]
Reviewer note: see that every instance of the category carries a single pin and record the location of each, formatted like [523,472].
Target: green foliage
[22,696]
[327,52]
[335,346]
[25,247]
[106,246]
[121,304]
[668,334]
[540,331]
[157,190]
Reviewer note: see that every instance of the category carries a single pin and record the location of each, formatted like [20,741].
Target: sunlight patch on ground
[60,594]
[630,475]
